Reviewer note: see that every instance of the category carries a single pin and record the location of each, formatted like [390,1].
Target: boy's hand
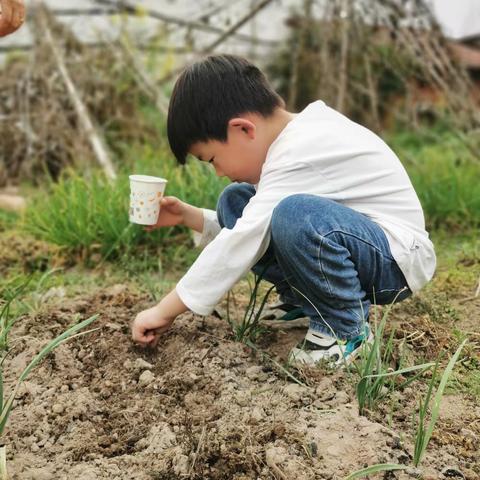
[171,213]
[12,16]
[175,212]
[149,325]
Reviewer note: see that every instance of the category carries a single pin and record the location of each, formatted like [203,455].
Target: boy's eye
[211,160]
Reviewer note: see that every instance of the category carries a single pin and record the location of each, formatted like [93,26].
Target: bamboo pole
[86,123]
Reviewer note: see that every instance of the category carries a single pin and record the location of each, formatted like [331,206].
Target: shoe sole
[341,362]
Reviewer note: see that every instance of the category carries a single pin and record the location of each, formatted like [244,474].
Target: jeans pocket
[390,295]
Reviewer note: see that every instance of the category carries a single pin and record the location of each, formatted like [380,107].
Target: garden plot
[201,406]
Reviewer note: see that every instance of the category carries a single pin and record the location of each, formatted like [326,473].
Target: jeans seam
[389,257]
[330,292]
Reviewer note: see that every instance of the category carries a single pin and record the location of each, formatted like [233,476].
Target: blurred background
[84,90]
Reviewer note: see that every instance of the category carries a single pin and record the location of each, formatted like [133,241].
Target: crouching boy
[318,203]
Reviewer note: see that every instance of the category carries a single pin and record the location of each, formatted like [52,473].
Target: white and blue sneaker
[317,347]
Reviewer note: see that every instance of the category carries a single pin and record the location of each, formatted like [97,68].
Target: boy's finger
[142,336]
[156,334]
[149,338]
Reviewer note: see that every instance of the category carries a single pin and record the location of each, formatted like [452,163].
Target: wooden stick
[230,32]
[144,80]
[474,296]
[127,7]
[236,26]
[101,44]
[86,123]
[342,81]
[73,12]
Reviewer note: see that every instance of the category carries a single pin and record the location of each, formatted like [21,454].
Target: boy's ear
[243,125]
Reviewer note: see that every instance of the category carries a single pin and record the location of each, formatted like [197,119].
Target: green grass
[445,173]
[7,220]
[379,467]
[86,213]
[248,329]
[377,378]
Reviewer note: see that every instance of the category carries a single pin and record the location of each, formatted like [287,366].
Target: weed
[379,467]
[8,296]
[377,378]
[7,219]
[424,430]
[249,328]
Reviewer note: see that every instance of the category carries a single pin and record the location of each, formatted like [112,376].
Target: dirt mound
[200,406]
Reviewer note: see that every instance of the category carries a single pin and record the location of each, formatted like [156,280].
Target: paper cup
[145,195]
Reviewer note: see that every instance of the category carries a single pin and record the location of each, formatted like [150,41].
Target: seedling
[249,327]
[424,431]
[376,375]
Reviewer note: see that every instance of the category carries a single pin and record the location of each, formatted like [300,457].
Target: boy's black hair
[211,92]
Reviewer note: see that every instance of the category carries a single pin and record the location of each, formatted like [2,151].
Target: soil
[203,406]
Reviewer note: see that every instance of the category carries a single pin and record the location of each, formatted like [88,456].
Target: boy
[320,204]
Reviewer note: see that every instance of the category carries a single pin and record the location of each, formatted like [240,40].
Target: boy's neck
[275,124]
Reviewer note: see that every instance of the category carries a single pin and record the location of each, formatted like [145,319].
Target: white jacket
[319,152]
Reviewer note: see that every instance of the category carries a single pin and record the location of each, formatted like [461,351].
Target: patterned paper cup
[145,195]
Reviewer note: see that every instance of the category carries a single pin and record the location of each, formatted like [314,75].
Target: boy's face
[241,157]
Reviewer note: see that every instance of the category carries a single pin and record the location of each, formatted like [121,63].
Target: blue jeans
[331,260]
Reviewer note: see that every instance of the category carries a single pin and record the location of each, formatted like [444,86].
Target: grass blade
[379,467]
[278,365]
[425,435]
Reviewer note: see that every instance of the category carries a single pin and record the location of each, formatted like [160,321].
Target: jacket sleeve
[211,228]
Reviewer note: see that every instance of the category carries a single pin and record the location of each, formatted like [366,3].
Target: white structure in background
[459,19]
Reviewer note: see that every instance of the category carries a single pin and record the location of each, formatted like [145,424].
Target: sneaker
[283,311]
[317,347]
